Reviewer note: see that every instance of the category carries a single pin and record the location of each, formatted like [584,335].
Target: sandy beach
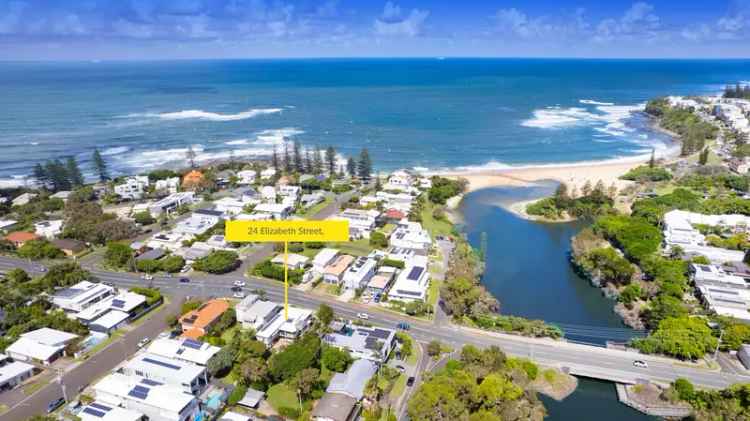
[575,175]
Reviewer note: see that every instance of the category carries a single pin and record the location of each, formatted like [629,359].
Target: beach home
[361,222]
[13,373]
[267,173]
[370,343]
[344,391]
[196,323]
[62,195]
[324,258]
[334,272]
[293,260]
[277,211]
[69,247]
[169,185]
[172,202]
[412,283]
[359,273]
[19,238]
[266,318]
[311,199]
[168,240]
[192,180]
[41,346]
[199,222]
[156,400]
[81,296]
[410,235]
[184,349]
[268,194]
[99,411]
[246,177]
[190,378]
[133,188]
[48,229]
[7,225]
[23,199]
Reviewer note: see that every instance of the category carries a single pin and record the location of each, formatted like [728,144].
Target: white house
[232,206]
[324,258]
[98,411]
[172,202]
[41,346]
[48,229]
[168,240]
[81,296]
[199,222]
[246,177]
[268,194]
[293,260]
[289,191]
[359,273]
[171,185]
[7,224]
[371,343]
[410,235]
[267,173]
[311,199]
[157,401]
[267,319]
[334,272]
[23,199]
[132,188]
[399,180]
[361,222]
[277,211]
[679,231]
[184,349]
[412,283]
[13,373]
[190,378]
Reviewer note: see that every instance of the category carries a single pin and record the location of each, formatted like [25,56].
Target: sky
[212,29]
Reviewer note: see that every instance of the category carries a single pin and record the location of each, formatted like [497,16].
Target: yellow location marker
[287,231]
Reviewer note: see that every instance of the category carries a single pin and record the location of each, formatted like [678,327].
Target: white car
[147,277]
[239,294]
[363,316]
[640,364]
[143,342]
[239,283]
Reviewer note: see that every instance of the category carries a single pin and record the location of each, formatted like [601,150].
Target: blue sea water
[408,112]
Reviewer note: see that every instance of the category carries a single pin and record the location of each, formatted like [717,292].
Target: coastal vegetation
[737,91]
[480,385]
[731,403]
[692,130]
[591,202]
[645,173]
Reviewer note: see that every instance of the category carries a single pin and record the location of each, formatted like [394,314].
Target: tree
[220,364]
[682,337]
[148,265]
[495,389]
[218,262]
[17,276]
[364,166]
[308,164]
[118,255]
[306,381]
[351,167]
[144,218]
[172,264]
[39,249]
[74,172]
[100,166]
[298,164]
[703,157]
[586,189]
[684,388]
[325,314]
[275,160]
[57,175]
[302,354]
[652,160]
[434,348]
[317,161]
[190,156]
[40,175]
[331,160]
[378,186]
[335,359]
[378,239]
[254,371]
[287,159]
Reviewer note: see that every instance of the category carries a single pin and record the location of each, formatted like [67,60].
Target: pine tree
[586,189]
[364,166]
[703,157]
[317,162]
[378,186]
[190,156]
[40,175]
[100,166]
[275,160]
[287,159]
[74,172]
[308,161]
[652,161]
[351,167]
[331,160]
[612,193]
[298,158]
[57,175]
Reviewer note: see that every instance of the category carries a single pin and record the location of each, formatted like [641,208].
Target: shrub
[39,249]
[172,264]
[378,239]
[144,218]
[118,255]
[218,262]
[148,265]
[267,269]
[646,173]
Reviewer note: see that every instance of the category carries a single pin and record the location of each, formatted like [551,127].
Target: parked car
[410,381]
[184,280]
[239,294]
[55,404]
[363,316]
[377,298]
[239,283]
[403,326]
[640,364]
[147,277]
[401,368]
[143,342]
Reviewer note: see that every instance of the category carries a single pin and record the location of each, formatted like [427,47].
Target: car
[363,316]
[184,280]
[143,342]
[185,269]
[410,381]
[55,404]
[401,368]
[239,283]
[147,277]
[238,294]
[377,298]
[403,326]
[640,364]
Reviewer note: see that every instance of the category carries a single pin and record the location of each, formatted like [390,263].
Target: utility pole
[718,343]
[62,385]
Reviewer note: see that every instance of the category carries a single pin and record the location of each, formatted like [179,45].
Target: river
[527,269]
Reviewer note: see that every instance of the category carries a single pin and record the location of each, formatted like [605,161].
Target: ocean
[421,113]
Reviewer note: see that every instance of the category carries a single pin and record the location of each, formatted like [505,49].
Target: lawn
[434,292]
[434,226]
[359,247]
[282,396]
[315,209]
[399,387]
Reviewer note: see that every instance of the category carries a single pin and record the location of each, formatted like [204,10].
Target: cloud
[392,23]
[513,22]
[638,22]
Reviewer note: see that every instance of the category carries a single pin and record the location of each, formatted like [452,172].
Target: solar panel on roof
[150,382]
[93,412]
[118,303]
[139,392]
[100,406]
[141,389]
[380,333]
[192,343]
[415,273]
[161,363]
